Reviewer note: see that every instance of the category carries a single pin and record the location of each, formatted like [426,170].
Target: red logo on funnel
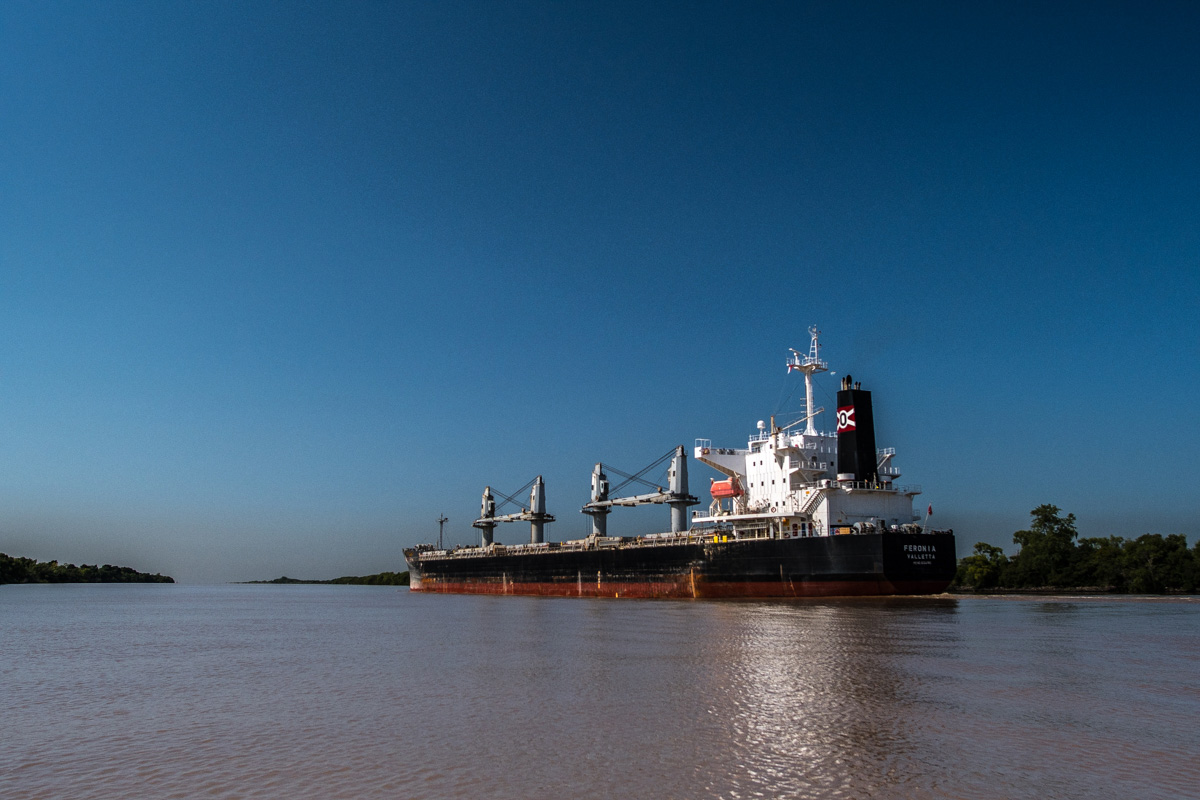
[845,419]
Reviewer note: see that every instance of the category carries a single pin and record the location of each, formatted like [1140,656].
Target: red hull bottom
[686,587]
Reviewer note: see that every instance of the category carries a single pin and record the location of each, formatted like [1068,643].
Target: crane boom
[676,496]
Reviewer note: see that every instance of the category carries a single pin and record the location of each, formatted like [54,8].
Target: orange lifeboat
[727,488]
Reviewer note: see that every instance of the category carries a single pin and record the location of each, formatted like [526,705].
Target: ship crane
[676,495]
[535,514]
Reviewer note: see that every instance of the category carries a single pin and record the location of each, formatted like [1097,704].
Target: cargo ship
[797,513]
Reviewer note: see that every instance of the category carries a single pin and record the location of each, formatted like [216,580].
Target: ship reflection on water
[313,692]
[820,697]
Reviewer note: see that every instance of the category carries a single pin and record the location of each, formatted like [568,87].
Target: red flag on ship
[930,511]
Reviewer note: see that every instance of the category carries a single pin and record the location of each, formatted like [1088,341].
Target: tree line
[378,579]
[1052,557]
[14,569]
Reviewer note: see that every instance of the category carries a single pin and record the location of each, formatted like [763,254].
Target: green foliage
[1098,562]
[380,579]
[1049,558]
[983,569]
[1157,564]
[26,570]
[1046,548]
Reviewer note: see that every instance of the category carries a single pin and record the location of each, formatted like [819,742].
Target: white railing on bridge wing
[884,486]
[886,451]
[720,451]
[795,438]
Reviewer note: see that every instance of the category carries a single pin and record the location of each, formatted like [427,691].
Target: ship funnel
[856,434]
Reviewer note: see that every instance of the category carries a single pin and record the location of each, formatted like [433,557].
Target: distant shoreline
[379,579]
[14,569]
[1106,591]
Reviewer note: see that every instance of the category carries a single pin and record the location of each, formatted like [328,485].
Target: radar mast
[809,365]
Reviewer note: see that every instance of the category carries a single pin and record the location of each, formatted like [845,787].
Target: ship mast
[809,365]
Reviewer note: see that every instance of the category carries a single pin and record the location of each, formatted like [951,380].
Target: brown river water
[373,692]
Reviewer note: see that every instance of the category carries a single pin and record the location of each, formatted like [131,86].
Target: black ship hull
[887,563]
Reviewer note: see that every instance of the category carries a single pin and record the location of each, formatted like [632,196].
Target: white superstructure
[792,475]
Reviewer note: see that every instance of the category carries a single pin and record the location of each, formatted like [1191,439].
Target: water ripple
[370,692]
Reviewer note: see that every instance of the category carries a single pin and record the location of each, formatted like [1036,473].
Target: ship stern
[919,563]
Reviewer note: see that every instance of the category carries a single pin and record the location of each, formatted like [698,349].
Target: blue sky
[281,283]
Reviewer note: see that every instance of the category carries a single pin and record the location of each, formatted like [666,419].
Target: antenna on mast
[809,365]
[441,521]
